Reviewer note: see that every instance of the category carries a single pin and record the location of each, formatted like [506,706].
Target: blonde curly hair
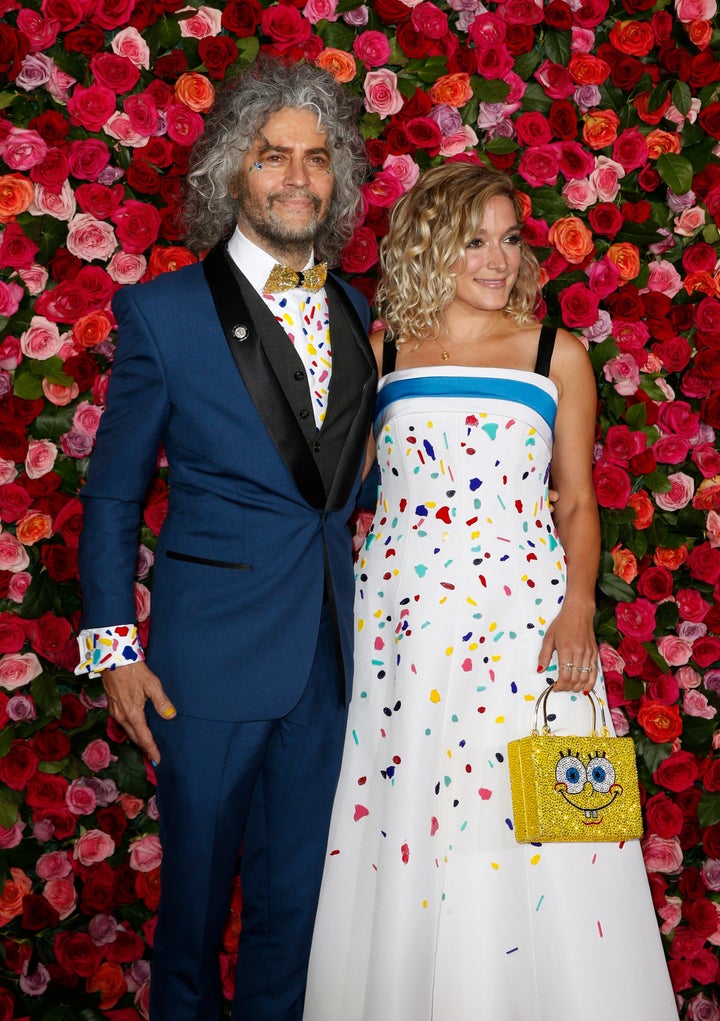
[430,227]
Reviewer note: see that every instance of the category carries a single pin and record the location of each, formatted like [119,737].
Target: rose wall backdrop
[607,113]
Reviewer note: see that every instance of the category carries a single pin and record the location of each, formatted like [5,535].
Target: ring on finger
[567,666]
[584,669]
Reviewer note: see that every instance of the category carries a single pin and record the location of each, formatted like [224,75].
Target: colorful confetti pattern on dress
[108,648]
[430,910]
[310,335]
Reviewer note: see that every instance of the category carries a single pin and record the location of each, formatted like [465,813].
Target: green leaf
[650,387]
[557,46]
[657,482]
[658,95]
[697,734]
[45,692]
[7,99]
[248,48]
[536,99]
[336,34]
[27,385]
[8,810]
[616,588]
[526,64]
[371,125]
[128,771]
[492,90]
[651,753]
[501,145]
[682,97]
[633,688]
[676,171]
[709,809]
[6,739]
[636,415]
[39,595]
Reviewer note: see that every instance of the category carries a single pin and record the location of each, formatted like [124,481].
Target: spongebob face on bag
[587,783]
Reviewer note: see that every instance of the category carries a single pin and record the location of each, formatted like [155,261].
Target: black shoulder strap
[545,350]
[389,357]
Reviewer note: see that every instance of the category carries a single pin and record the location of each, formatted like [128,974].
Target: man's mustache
[295,193]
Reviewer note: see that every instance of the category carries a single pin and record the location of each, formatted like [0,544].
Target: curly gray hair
[240,112]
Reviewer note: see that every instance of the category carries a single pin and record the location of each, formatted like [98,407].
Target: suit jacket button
[298,375]
[304,413]
[316,446]
[240,332]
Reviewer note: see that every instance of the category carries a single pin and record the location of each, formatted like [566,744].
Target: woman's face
[492,259]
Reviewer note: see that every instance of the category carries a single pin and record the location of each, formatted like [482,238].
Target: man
[262,400]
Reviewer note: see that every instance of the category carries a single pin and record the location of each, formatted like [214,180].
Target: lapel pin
[240,332]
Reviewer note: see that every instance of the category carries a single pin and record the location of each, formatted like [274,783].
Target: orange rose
[707,497]
[169,258]
[626,257]
[659,141]
[16,194]
[91,329]
[624,563]
[525,203]
[645,114]
[452,89]
[670,558]
[600,128]
[661,723]
[32,527]
[635,38]
[701,280]
[571,238]
[643,507]
[195,91]
[110,982]
[584,69]
[700,33]
[340,64]
[11,898]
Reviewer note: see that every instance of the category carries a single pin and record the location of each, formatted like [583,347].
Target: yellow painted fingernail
[169,712]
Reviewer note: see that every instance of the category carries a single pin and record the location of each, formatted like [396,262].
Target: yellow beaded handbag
[574,788]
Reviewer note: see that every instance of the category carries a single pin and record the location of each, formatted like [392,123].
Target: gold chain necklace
[445,354]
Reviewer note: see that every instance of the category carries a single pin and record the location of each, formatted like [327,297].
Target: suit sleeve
[121,469]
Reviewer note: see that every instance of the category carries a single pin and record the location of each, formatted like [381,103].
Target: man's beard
[278,232]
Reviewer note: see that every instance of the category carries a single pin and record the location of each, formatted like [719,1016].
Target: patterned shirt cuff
[108,648]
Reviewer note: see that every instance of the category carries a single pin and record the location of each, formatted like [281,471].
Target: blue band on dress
[495,388]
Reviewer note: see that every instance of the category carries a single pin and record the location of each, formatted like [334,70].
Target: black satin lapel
[261,383]
[353,452]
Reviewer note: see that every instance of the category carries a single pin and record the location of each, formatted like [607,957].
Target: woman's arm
[571,634]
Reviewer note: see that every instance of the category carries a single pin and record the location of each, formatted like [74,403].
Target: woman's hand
[571,636]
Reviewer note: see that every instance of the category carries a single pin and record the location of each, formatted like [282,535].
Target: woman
[470,600]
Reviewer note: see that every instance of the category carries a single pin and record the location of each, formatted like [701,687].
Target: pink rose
[712,527]
[603,277]
[88,157]
[92,847]
[384,189]
[126,267]
[80,798]
[18,669]
[664,278]
[579,194]
[679,495]
[372,48]
[13,555]
[689,221]
[457,142]
[35,278]
[671,449]
[606,178]
[636,619]
[661,854]
[11,837]
[711,874]
[40,32]
[674,650]
[8,471]
[97,755]
[40,458]
[319,10]
[687,678]
[204,23]
[23,148]
[623,373]
[58,394]
[61,205]
[41,340]
[10,297]
[87,418]
[700,1008]
[630,149]
[89,238]
[129,43]
[145,853]
[381,93]
[120,126]
[696,704]
[695,10]
[671,913]
[405,169]
[53,865]
[61,894]
[19,583]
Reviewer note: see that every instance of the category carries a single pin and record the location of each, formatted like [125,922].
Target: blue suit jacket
[251,537]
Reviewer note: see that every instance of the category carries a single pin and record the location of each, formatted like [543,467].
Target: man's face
[285,185]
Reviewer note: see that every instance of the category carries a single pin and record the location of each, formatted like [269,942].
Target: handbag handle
[595,704]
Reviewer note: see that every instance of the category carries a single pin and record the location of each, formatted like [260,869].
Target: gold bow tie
[282,278]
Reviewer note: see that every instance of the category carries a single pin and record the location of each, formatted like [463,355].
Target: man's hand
[552,497]
[128,688]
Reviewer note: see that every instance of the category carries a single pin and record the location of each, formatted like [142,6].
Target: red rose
[704,563]
[52,172]
[112,820]
[12,633]
[558,15]
[38,913]
[98,894]
[533,128]
[579,306]
[142,177]
[137,225]
[49,635]
[17,251]
[87,39]
[663,816]
[660,722]
[285,25]
[18,765]
[424,133]
[562,117]
[361,253]
[109,14]
[636,619]
[14,501]
[51,744]
[677,772]
[634,655]
[77,953]
[125,948]
[656,583]
[241,17]
[91,107]
[115,72]
[392,12]
[217,54]
[46,790]
[680,975]
[51,125]
[171,65]
[612,485]
[675,353]
[88,157]
[519,39]
[13,443]
[14,47]
[7,1000]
